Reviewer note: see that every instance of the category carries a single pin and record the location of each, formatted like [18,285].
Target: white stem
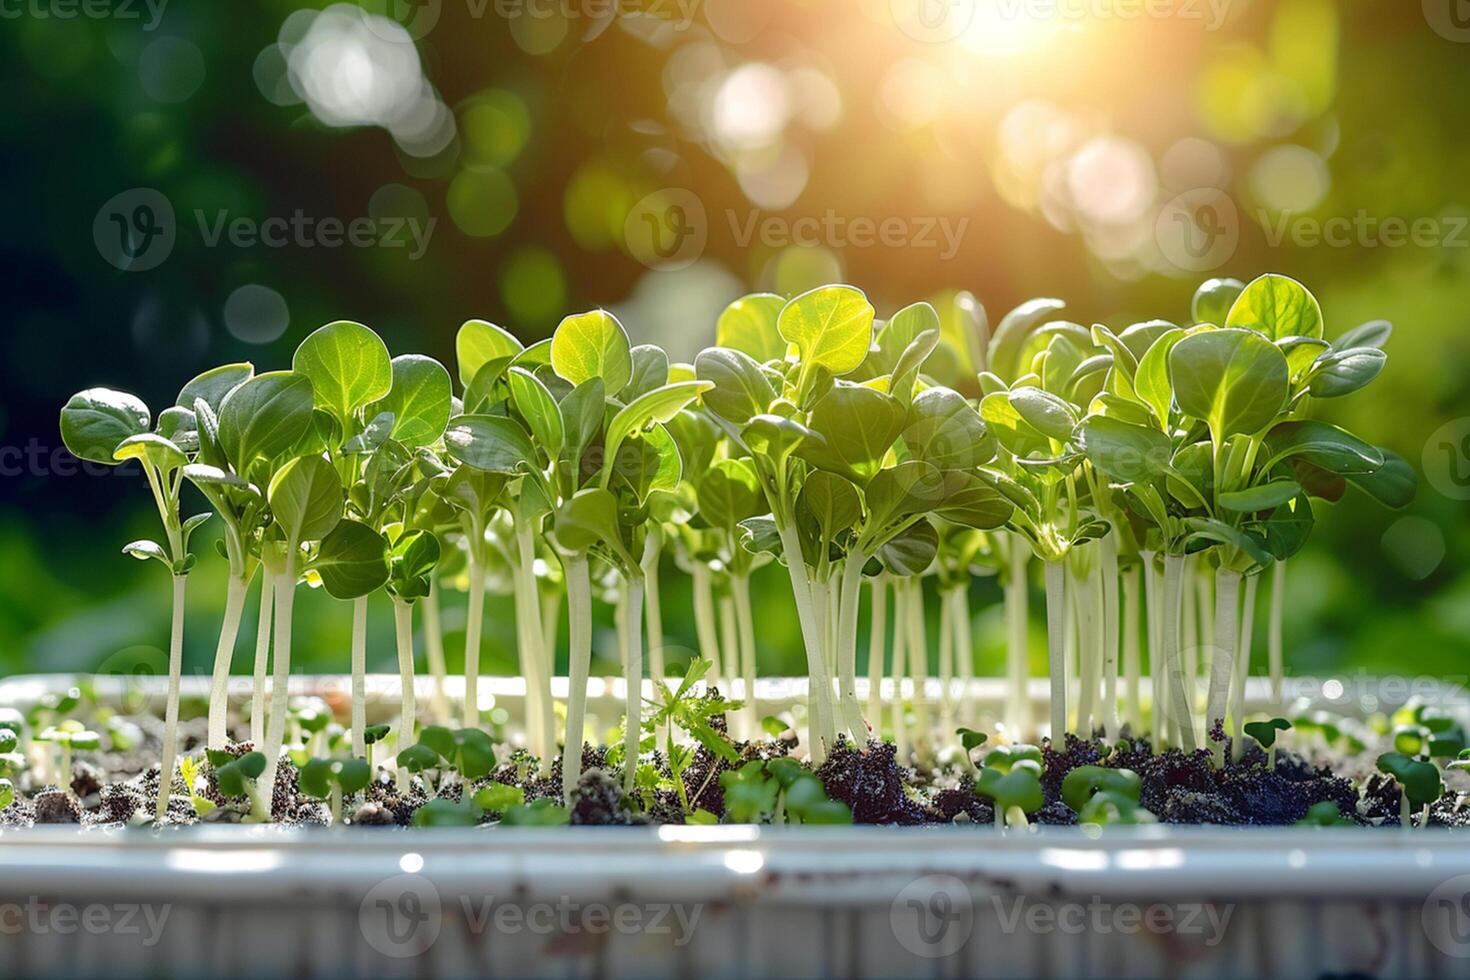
[848,601]
[704,624]
[285,583]
[919,659]
[633,701]
[822,731]
[1181,711]
[1109,574]
[434,650]
[474,625]
[359,676]
[877,640]
[551,626]
[224,653]
[403,631]
[1132,654]
[946,662]
[652,552]
[745,630]
[964,651]
[730,639]
[171,711]
[898,667]
[1190,636]
[1056,632]
[262,660]
[1018,654]
[1070,632]
[1089,647]
[1242,668]
[1222,655]
[1158,686]
[579,636]
[1274,651]
[533,649]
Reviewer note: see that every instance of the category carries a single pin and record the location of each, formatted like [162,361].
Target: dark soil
[119,788]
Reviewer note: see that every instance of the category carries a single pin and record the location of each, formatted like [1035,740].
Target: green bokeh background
[559,123]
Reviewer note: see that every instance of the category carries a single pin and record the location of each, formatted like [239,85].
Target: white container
[728,901]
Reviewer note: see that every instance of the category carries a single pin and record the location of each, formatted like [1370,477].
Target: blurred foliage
[528,134]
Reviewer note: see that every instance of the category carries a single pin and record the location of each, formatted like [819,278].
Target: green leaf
[1123,452]
[490,442]
[831,326]
[1079,785]
[539,409]
[476,754]
[419,399]
[265,417]
[411,564]
[592,345]
[1013,432]
[96,421]
[583,411]
[306,498]
[749,325]
[1374,333]
[658,405]
[1014,330]
[1264,496]
[440,739]
[1301,354]
[833,501]
[650,371]
[499,797]
[588,519]
[910,551]
[152,449]
[1264,732]
[728,493]
[1289,527]
[971,739]
[352,560]
[1045,412]
[1235,381]
[1420,781]
[1213,299]
[740,389]
[1276,306]
[478,343]
[1152,383]
[906,371]
[315,778]
[973,501]
[857,425]
[541,813]
[775,436]
[1019,788]
[647,463]
[1345,371]
[912,487]
[353,775]
[945,430]
[1249,543]
[348,367]
[1394,484]
[143,550]
[1323,445]
[213,385]
[442,812]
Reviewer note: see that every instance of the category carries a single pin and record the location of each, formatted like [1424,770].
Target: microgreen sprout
[1418,781]
[1265,732]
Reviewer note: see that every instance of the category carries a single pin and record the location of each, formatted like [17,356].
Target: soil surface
[110,789]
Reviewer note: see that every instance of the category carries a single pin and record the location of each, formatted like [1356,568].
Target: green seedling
[1324,814]
[69,736]
[1113,808]
[541,813]
[1419,784]
[1265,732]
[190,774]
[469,751]
[1081,784]
[682,709]
[240,777]
[970,740]
[750,793]
[334,780]
[499,797]
[440,812]
[7,793]
[1014,792]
